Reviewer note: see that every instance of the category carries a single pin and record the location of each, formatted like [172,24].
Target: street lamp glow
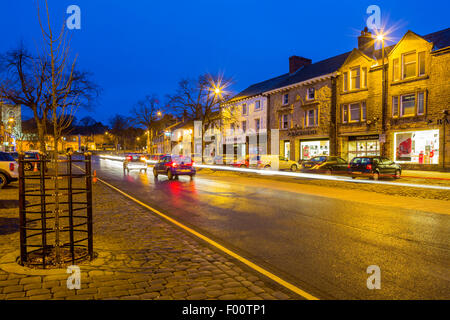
[217,91]
[380,37]
[159,113]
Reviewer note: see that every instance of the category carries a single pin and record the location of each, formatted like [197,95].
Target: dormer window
[421,59]
[409,65]
[310,94]
[345,81]
[355,78]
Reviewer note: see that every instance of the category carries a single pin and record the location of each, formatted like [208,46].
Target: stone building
[302,108]
[418,101]
[10,127]
[245,132]
[359,115]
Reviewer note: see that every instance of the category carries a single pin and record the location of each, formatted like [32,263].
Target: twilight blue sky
[136,48]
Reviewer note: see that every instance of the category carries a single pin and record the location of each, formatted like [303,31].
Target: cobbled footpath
[140,257]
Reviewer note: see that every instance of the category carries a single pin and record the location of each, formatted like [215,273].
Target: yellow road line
[259,269]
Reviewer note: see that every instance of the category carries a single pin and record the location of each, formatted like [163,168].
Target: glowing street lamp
[381,37]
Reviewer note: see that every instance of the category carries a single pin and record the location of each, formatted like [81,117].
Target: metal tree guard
[55,212]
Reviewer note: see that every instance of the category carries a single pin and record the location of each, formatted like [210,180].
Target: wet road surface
[321,244]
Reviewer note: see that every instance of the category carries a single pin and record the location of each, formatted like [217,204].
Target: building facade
[359,104]
[10,127]
[418,101]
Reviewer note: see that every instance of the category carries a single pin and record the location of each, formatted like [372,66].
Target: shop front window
[361,148]
[287,149]
[420,147]
[309,149]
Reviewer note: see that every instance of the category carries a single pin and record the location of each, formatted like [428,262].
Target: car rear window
[6,157]
[319,159]
[30,156]
[181,159]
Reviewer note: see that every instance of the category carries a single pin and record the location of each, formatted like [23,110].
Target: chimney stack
[296,62]
[366,43]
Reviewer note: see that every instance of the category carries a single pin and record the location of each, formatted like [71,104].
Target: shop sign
[302,132]
[234,139]
[367,137]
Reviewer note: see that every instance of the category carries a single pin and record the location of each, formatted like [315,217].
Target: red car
[242,163]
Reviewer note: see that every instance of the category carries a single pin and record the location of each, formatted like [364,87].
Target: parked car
[174,166]
[15,155]
[325,164]
[374,167]
[133,161]
[8,169]
[241,163]
[31,155]
[223,159]
[269,161]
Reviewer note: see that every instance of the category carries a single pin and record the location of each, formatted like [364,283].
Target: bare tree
[145,114]
[119,125]
[23,83]
[46,82]
[64,90]
[200,99]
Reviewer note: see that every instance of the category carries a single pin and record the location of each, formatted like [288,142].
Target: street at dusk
[319,235]
[225,160]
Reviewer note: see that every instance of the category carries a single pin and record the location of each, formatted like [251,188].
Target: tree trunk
[41,137]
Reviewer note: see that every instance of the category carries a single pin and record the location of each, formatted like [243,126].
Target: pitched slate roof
[314,70]
[259,88]
[440,39]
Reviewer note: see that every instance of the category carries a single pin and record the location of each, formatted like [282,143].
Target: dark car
[374,167]
[325,164]
[31,155]
[174,166]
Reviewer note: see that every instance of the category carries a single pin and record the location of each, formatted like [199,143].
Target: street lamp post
[381,38]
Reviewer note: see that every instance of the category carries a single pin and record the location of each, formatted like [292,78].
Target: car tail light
[369,167]
[37,156]
[174,164]
[349,166]
[129,158]
[11,166]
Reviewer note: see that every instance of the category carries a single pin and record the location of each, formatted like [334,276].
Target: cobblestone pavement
[140,256]
[378,188]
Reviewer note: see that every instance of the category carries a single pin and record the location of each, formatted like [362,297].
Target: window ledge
[395,83]
[354,91]
[354,124]
[408,119]
[309,104]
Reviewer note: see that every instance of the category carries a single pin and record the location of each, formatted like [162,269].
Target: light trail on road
[297,175]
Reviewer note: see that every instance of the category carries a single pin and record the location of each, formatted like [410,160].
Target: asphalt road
[321,243]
